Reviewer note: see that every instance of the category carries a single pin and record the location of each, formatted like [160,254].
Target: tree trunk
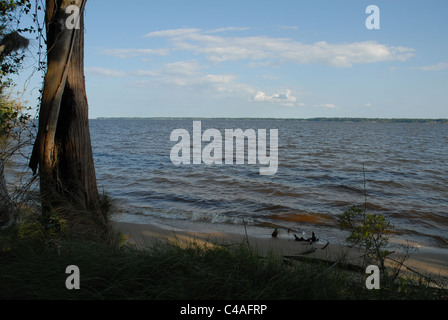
[62,150]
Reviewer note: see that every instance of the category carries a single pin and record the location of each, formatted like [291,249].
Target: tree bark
[62,150]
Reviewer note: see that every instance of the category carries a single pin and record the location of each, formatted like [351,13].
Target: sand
[431,262]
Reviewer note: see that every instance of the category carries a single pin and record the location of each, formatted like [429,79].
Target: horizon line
[272,118]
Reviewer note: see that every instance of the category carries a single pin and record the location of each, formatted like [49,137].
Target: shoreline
[427,261]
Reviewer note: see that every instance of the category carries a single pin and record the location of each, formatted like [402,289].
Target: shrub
[370,232]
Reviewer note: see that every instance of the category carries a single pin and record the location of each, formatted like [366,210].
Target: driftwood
[311,240]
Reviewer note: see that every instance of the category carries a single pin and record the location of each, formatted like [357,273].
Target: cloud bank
[218,48]
[231,44]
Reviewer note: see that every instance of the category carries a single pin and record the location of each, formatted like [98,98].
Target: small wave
[347,188]
[390,184]
[145,212]
[373,207]
[311,218]
[273,208]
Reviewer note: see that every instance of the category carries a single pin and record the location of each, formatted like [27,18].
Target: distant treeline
[346,119]
[380,120]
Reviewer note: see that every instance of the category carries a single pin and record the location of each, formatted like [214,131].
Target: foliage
[370,232]
[13,116]
[14,120]
[13,34]
[15,124]
[10,11]
[56,223]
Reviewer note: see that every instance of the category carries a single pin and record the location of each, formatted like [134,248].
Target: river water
[399,169]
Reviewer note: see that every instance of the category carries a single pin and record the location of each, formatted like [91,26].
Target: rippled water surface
[320,174]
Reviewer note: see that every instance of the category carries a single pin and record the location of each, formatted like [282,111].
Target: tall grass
[35,269]
[34,255]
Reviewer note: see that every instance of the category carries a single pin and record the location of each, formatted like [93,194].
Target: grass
[34,268]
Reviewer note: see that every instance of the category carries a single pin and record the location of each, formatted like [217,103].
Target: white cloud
[104,72]
[129,53]
[221,78]
[435,67]
[172,32]
[284,98]
[325,105]
[142,73]
[186,74]
[182,67]
[111,73]
[228,29]
[261,48]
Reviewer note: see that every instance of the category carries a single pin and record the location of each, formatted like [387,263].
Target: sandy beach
[432,262]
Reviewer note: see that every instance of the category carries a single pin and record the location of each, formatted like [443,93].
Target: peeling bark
[62,150]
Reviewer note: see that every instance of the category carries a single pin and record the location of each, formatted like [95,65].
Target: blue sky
[281,59]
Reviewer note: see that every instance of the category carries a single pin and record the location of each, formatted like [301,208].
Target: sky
[258,58]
